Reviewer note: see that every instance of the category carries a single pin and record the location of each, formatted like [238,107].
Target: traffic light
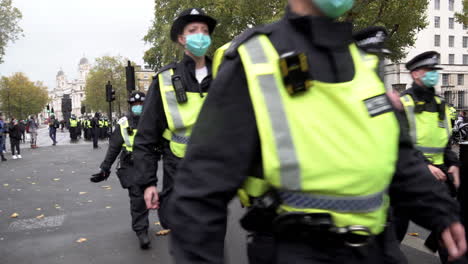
[110,93]
[48,108]
[52,110]
[130,75]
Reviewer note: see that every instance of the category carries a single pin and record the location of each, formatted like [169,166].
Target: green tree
[106,69]
[463,17]
[9,28]
[403,19]
[21,97]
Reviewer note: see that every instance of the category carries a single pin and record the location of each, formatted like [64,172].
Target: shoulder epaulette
[246,35]
[167,67]
[122,120]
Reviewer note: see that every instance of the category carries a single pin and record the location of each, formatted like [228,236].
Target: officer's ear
[182,40]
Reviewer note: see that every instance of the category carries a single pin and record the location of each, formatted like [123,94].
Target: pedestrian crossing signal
[110,93]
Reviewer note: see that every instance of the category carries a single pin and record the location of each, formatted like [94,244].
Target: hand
[395,99]
[151,198]
[453,238]
[455,171]
[438,173]
[99,177]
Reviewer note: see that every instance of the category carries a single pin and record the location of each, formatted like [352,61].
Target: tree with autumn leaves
[21,97]
[403,20]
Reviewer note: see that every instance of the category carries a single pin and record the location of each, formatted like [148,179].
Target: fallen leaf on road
[56,179]
[413,234]
[33,183]
[108,207]
[81,240]
[38,209]
[14,215]
[61,170]
[83,162]
[81,193]
[163,232]
[73,172]
[68,190]
[157,223]
[28,178]
[19,190]
[6,184]
[40,216]
[105,186]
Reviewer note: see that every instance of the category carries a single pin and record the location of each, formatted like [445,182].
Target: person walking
[15,137]
[174,100]
[429,121]
[32,128]
[121,143]
[53,125]
[270,116]
[95,129]
[2,137]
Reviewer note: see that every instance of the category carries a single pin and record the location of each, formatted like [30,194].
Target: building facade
[450,39]
[143,77]
[74,88]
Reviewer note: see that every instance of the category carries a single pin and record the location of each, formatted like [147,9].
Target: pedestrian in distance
[15,137]
[22,126]
[73,129]
[2,137]
[270,115]
[33,126]
[121,143]
[174,100]
[53,126]
[95,129]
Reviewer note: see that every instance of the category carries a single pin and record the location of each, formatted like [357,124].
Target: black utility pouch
[180,93]
[260,215]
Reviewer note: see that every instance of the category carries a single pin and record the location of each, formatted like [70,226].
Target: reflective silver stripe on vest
[172,103]
[411,119]
[430,150]
[179,139]
[289,165]
[360,204]
[125,136]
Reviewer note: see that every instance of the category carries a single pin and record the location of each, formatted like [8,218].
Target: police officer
[122,142]
[319,185]
[73,128]
[95,130]
[429,125]
[174,101]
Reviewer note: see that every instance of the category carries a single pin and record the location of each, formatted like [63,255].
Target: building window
[437,22]
[448,96]
[461,79]
[461,99]
[451,4]
[465,59]
[445,79]
[465,42]
[451,23]
[438,58]
[465,27]
[437,40]
[451,58]
[437,4]
[451,41]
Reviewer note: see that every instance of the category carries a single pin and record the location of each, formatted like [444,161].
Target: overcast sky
[58,33]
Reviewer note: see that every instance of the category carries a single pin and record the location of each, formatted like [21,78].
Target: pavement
[51,213]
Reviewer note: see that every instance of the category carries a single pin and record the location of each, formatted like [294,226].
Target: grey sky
[59,32]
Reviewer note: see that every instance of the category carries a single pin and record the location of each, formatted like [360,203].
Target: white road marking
[33,223]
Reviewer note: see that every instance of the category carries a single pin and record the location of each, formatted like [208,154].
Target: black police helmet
[188,16]
[136,97]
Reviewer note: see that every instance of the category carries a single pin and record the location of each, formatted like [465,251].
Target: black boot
[144,239]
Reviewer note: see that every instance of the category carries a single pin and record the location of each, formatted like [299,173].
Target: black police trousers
[263,248]
[138,209]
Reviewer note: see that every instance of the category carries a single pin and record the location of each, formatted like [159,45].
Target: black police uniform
[427,95]
[149,143]
[126,174]
[225,148]
[95,130]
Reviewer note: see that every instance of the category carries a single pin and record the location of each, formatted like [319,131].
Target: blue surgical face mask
[430,79]
[137,109]
[198,44]
[334,8]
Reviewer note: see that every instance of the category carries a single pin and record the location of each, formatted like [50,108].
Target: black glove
[99,177]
